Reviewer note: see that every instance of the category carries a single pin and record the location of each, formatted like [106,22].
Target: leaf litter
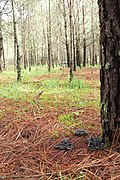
[27,145]
[27,148]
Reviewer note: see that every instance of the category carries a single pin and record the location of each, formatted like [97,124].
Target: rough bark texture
[109,12]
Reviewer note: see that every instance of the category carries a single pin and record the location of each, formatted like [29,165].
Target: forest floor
[40,112]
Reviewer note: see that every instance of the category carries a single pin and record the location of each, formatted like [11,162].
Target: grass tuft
[67,119]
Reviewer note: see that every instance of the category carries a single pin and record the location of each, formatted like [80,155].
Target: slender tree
[71,42]
[24,38]
[74,38]
[66,35]
[49,38]
[74,50]
[77,36]
[1,41]
[92,35]
[16,46]
[84,38]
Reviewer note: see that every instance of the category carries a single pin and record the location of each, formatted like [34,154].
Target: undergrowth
[64,98]
[67,119]
[57,91]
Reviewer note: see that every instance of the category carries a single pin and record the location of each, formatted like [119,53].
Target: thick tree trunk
[109,12]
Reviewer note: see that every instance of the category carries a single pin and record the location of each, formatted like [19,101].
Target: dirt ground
[28,135]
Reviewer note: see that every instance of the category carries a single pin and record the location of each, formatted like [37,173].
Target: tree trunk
[1,49]
[18,65]
[92,36]
[109,12]
[95,58]
[15,36]
[74,50]
[1,42]
[24,45]
[30,56]
[84,39]
[16,46]
[4,60]
[90,56]
[77,36]
[71,43]
[49,39]
[78,58]
[66,36]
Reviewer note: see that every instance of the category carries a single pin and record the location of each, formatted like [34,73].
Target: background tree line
[51,32]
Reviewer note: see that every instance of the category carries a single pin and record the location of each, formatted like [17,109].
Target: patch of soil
[27,145]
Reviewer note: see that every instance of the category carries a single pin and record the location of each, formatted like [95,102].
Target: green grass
[55,91]
[29,76]
[16,91]
[67,119]
[10,75]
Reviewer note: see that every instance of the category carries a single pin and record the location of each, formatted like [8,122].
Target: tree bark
[15,36]
[1,49]
[77,36]
[24,40]
[109,12]
[74,50]
[66,36]
[92,35]
[1,42]
[78,58]
[49,39]
[18,65]
[84,39]
[71,43]
[16,46]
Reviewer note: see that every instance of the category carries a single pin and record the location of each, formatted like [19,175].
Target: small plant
[77,84]
[50,84]
[16,91]
[67,119]
[55,134]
